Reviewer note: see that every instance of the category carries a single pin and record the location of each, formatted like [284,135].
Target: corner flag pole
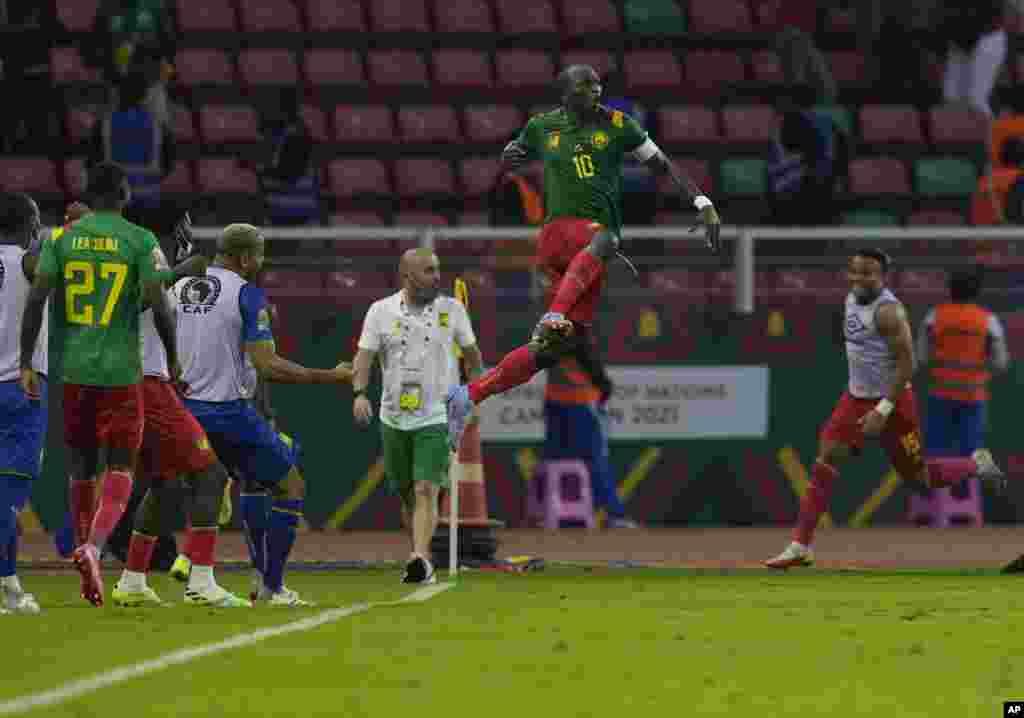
[455,472]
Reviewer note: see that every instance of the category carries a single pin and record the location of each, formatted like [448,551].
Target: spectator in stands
[132,137]
[977,47]
[804,161]
[291,186]
[990,204]
[136,36]
[795,24]
[30,30]
[896,38]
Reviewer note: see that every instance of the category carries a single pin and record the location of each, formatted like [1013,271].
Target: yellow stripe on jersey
[57,233]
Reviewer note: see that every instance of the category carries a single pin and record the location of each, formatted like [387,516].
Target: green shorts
[415,455]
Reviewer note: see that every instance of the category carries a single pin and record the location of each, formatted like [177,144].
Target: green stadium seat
[743,177]
[654,17]
[840,115]
[871,218]
[945,177]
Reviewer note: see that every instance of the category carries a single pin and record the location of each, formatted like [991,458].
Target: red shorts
[173,442]
[559,241]
[901,437]
[97,416]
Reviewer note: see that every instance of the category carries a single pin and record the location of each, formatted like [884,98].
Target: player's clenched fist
[712,228]
[362,410]
[514,155]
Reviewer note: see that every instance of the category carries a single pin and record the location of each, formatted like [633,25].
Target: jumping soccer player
[225,342]
[583,145]
[103,266]
[879,402]
[22,418]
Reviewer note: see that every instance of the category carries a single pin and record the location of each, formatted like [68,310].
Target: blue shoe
[459,408]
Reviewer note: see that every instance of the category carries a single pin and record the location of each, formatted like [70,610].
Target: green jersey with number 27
[99,266]
[583,162]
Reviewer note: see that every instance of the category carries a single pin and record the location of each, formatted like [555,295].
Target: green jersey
[583,163]
[99,267]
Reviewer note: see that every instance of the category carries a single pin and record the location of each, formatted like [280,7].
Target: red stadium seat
[269,16]
[524,68]
[393,68]
[316,123]
[936,217]
[585,17]
[363,123]
[362,219]
[415,218]
[712,71]
[77,15]
[652,69]
[749,123]
[229,123]
[28,174]
[601,61]
[292,283]
[479,175]
[463,16]
[399,16]
[415,177]
[335,16]
[767,67]
[890,123]
[948,125]
[697,170]
[74,177]
[184,125]
[718,16]
[66,66]
[492,123]
[847,67]
[474,219]
[268,67]
[429,123]
[879,175]
[179,181]
[334,67]
[525,17]
[462,68]
[207,16]
[693,123]
[353,177]
[195,66]
[222,174]
[80,125]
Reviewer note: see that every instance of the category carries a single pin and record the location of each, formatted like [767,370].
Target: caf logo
[599,140]
[199,295]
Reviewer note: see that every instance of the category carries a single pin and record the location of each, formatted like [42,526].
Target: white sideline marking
[76,689]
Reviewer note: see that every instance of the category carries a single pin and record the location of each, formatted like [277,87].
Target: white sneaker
[622,522]
[20,602]
[794,555]
[288,597]
[988,472]
[215,596]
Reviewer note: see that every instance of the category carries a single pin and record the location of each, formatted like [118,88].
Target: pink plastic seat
[560,491]
[943,509]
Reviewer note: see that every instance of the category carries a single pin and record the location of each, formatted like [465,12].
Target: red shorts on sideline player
[559,241]
[901,437]
[173,442]
[103,416]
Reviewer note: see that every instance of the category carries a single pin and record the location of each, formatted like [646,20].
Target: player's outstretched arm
[272,367]
[31,324]
[661,165]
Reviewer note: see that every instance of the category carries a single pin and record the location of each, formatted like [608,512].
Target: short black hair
[16,210]
[877,255]
[105,181]
[965,285]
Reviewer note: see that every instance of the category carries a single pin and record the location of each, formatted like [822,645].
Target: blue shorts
[954,428]
[244,441]
[22,430]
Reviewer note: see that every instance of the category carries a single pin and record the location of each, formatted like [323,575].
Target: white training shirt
[417,356]
[14,287]
[872,364]
[154,356]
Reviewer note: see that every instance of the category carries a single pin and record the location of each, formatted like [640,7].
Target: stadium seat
[269,16]
[334,67]
[463,16]
[28,174]
[316,123]
[268,67]
[222,174]
[353,177]
[77,15]
[292,282]
[585,17]
[840,116]
[422,176]
[687,123]
[847,67]
[474,219]
[479,175]
[80,125]
[335,16]
[697,170]
[767,67]
[462,68]
[393,68]
[871,218]
[362,219]
[179,181]
[73,177]
[399,16]
[879,175]
[207,66]
[228,123]
[415,218]
[597,59]
[207,16]
[525,17]
[66,66]
[749,123]
[492,123]
[428,123]
[936,218]
[524,68]
[717,16]
[713,71]
[955,125]
[890,123]
[743,176]
[183,125]
[654,17]
[945,177]
[363,123]
[652,70]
